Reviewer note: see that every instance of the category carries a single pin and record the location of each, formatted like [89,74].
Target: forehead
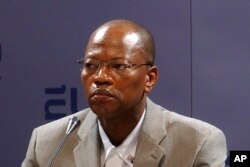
[117,41]
[117,35]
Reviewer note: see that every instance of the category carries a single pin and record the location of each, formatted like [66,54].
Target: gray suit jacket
[167,139]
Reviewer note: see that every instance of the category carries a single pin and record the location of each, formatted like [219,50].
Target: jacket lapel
[87,152]
[149,152]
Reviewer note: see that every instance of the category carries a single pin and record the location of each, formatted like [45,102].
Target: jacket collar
[87,152]
[153,125]
[149,152]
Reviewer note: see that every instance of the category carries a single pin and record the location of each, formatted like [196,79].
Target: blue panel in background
[221,67]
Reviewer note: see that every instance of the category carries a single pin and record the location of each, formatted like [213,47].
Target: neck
[117,129]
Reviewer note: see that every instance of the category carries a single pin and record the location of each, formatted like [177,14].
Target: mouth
[100,95]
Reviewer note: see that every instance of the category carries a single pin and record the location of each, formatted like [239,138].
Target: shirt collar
[128,146]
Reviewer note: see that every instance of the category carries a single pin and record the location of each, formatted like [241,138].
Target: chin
[102,111]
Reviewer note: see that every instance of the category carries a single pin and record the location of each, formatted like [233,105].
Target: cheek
[138,87]
[133,85]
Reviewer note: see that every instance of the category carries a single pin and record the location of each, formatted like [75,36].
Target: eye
[91,65]
[119,66]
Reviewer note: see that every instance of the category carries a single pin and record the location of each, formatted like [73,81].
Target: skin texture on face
[119,99]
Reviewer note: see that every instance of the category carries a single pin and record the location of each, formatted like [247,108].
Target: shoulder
[44,139]
[189,127]
[179,126]
[188,123]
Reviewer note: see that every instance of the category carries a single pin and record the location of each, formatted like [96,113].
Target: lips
[100,94]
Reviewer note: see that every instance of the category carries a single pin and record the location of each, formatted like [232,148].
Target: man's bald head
[134,36]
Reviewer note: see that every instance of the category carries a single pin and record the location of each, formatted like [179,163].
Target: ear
[151,78]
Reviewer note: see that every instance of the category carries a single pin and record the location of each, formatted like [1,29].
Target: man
[122,127]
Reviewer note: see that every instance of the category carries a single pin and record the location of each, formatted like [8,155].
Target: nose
[102,76]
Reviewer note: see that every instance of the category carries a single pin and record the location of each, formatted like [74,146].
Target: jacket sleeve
[213,153]
[30,159]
